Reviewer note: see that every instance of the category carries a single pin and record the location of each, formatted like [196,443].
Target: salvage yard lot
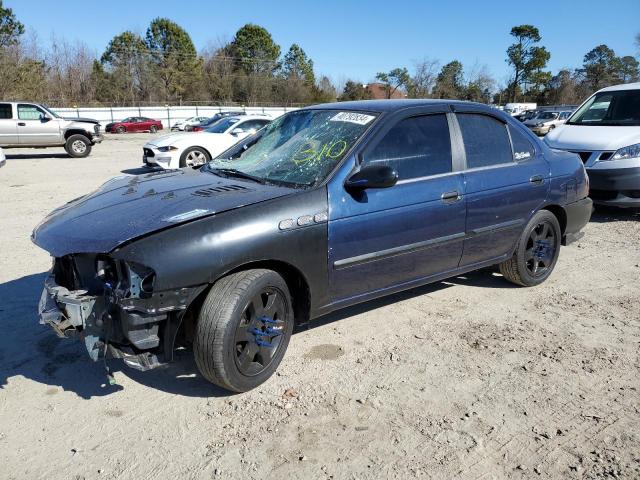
[467,378]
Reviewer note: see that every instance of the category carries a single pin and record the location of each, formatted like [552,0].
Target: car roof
[624,86]
[249,117]
[380,106]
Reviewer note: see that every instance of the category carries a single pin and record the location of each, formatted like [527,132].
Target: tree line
[163,66]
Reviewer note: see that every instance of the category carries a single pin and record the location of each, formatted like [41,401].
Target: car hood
[129,207]
[584,137]
[81,119]
[186,137]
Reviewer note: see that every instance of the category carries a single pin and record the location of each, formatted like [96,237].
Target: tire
[153,129]
[226,350]
[537,251]
[121,129]
[78,146]
[194,157]
[188,128]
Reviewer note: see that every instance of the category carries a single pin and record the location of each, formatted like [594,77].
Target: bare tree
[424,78]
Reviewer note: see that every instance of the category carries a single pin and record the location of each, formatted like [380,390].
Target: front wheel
[243,329]
[78,146]
[194,157]
[153,129]
[536,253]
[121,129]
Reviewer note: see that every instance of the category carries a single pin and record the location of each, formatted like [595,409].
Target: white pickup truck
[30,125]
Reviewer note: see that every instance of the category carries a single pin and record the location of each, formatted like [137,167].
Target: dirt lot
[468,378]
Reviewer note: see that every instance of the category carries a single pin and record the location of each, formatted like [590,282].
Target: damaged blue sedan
[326,207]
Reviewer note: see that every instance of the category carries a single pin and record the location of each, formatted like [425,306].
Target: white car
[3,159]
[605,132]
[179,150]
[187,124]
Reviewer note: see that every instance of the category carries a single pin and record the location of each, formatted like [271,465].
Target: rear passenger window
[415,147]
[5,111]
[522,147]
[486,141]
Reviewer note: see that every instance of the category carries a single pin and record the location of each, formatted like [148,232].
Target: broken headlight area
[113,306]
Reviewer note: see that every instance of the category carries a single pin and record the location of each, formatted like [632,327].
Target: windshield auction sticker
[352,117]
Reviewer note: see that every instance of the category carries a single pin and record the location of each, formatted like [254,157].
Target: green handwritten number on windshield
[307,152]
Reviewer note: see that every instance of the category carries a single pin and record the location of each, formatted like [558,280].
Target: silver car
[26,124]
[545,121]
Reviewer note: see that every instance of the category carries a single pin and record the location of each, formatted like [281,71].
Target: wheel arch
[76,131]
[293,277]
[560,214]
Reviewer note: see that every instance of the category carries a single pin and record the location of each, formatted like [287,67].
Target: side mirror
[237,131]
[372,176]
[44,118]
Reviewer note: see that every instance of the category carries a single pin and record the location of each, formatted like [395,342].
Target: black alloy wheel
[259,333]
[540,251]
[536,252]
[243,329]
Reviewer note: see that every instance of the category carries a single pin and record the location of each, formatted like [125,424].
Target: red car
[134,124]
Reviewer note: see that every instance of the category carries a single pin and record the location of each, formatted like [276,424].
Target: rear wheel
[537,251]
[194,157]
[243,329]
[78,146]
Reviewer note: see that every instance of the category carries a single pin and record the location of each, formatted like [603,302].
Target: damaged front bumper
[115,323]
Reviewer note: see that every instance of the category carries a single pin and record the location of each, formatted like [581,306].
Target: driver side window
[415,147]
[29,112]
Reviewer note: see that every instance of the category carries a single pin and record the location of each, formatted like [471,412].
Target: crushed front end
[112,305]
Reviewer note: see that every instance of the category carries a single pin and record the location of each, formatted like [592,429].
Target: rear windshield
[547,116]
[619,108]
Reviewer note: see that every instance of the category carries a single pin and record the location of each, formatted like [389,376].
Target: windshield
[619,108]
[53,114]
[300,147]
[222,126]
[547,116]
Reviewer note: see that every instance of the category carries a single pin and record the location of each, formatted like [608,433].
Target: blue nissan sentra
[326,207]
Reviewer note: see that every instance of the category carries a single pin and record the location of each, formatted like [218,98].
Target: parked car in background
[134,124]
[547,120]
[211,120]
[515,109]
[28,125]
[187,124]
[3,159]
[179,150]
[326,207]
[605,132]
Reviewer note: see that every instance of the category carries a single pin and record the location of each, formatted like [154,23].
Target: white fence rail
[167,115]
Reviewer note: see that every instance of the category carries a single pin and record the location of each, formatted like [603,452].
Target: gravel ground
[467,378]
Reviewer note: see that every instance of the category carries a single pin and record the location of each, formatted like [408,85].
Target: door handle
[22,124]
[450,197]
[537,179]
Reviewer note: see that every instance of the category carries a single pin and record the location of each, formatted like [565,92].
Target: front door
[36,127]
[8,125]
[506,180]
[384,238]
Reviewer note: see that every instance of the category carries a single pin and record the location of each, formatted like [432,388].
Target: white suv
[605,132]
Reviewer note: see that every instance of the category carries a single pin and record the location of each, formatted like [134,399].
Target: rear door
[8,125]
[506,180]
[384,238]
[36,127]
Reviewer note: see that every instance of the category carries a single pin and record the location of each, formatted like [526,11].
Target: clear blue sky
[349,39]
